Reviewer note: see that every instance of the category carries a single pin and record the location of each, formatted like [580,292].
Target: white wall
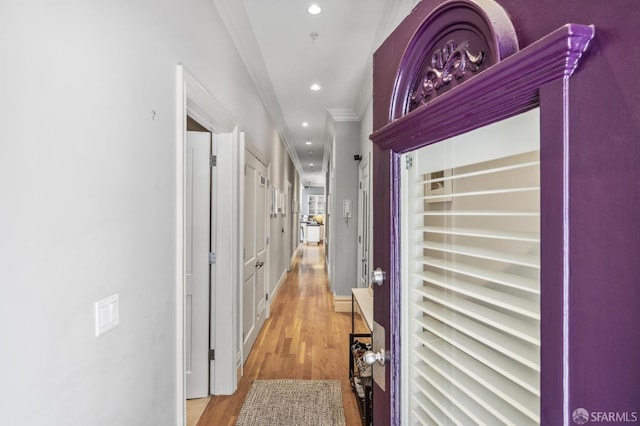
[87,177]
[366,128]
[343,239]
[281,226]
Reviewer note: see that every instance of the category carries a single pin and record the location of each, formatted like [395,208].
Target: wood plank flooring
[303,339]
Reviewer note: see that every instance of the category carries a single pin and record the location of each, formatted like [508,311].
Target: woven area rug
[293,402]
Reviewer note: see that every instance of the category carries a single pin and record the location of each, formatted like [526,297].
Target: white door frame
[364,178]
[194,100]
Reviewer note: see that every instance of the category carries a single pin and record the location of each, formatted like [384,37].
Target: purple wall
[604,224]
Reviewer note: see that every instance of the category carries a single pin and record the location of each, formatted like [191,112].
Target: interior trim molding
[440,52]
[508,88]
[236,21]
[341,303]
[505,88]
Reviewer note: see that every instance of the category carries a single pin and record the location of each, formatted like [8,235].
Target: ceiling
[286,50]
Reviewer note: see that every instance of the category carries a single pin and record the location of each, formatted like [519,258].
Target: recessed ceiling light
[315,87]
[305,124]
[307,143]
[314,9]
[311,164]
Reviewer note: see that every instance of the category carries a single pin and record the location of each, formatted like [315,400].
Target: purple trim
[382,184]
[395,283]
[565,250]
[603,129]
[481,23]
[506,89]
[553,169]
[509,87]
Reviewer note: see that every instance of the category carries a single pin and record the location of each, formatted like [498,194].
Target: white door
[198,231]
[255,250]
[364,222]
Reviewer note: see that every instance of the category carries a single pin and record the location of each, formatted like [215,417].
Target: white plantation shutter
[471,268]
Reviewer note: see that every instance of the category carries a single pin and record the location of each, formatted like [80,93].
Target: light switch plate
[107,314]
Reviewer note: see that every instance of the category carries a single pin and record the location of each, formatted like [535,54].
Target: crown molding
[508,88]
[236,21]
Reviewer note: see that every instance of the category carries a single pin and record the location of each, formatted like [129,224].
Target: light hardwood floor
[303,339]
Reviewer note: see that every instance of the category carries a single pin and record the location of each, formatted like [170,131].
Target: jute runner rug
[293,402]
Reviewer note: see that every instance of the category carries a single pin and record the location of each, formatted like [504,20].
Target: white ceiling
[274,39]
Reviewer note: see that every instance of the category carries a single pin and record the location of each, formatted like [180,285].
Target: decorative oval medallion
[446,64]
[459,39]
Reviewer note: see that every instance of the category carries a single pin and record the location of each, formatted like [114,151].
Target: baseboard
[274,293]
[294,256]
[342,303]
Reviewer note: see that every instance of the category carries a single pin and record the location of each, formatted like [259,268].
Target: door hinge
[212,258]
[409,161]
[266,296]
[213,160]
[212,354]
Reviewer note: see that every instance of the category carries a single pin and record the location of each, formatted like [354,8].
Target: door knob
[371,357]
[378,276]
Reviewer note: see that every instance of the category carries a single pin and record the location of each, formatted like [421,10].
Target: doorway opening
[221,329]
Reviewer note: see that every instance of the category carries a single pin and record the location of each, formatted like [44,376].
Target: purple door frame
[590,136]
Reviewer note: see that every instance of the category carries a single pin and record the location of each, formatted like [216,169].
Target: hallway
[303,339]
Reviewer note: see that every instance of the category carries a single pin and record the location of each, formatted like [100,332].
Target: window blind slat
[514,213]
[482,406]
[421,417]
[483,172]
[529,260]
[515,382]
[517,350]
[481,193]
[460,399]
[435,396]
[508,302]
[493,361]
[483,233]
[518,282]
[456,392]
[427,411]
[472,274]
